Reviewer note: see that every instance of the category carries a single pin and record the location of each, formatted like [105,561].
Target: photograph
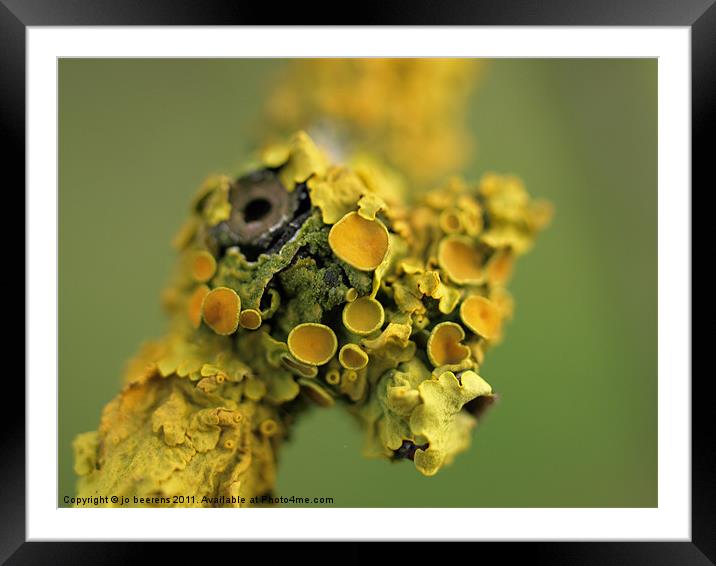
[357,282]
[425,276]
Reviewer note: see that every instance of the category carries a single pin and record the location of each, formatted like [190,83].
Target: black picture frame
[699,15]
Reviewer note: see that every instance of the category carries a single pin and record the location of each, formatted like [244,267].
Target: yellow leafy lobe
[215,195]
[336,193]
[439,421]
[299,161]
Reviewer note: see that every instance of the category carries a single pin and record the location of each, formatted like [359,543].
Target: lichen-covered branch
[308,283]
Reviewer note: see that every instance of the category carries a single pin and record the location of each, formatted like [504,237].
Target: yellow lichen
[445,345]
[387,183]
[450,221]
[354,384]
[481,316]
[363,316]
[332,375]
[316,393]
[506,196]
[336,193]
[186,234]
[250,319]
[304,160]
[298,368]
[215,194]
[206,412]
[220,310]
[369,205]
[499,267]
[361,243]
[351,356]
[502,298]
[461,260]
[203,266]
[194,305]
[313,344]
[439,421]
[275,155]
[269,427]
[411,111]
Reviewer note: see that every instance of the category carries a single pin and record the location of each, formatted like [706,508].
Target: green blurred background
[577,374]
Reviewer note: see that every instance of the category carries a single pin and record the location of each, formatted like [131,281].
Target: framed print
[359,282]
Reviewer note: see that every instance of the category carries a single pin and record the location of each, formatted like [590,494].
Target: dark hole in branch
[256,209]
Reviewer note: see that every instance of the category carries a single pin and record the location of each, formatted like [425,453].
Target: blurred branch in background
[410,113]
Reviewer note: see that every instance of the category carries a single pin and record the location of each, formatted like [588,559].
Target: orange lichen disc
[194,306]
[203,266]
[450,221]
[312,343]
[499,267]
[220,309]
[363,316]
[333,376]
[352,356]
[250,319]
[481,316]
[269,427]
[461,260]
[359,242]
[444,344]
